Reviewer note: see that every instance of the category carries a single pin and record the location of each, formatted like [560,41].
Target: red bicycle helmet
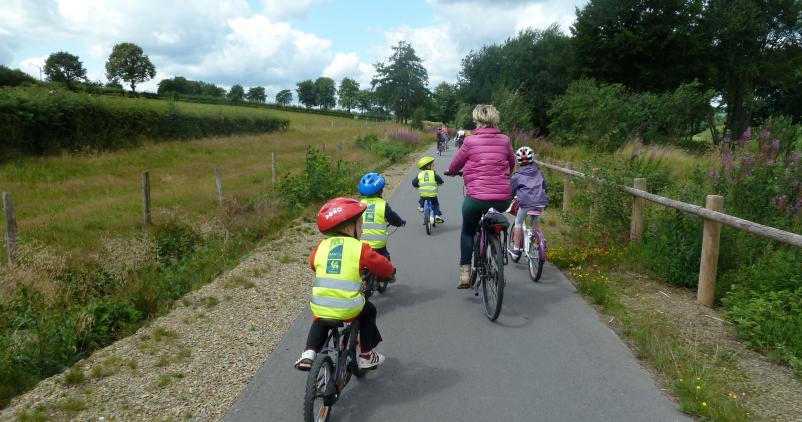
[338,211]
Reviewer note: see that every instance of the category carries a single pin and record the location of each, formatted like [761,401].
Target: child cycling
[378,215]
[427,183]
[338,261]
[529,185]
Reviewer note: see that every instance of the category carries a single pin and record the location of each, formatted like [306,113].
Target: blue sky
[272,43]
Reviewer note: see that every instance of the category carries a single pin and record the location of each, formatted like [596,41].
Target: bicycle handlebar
[457,174]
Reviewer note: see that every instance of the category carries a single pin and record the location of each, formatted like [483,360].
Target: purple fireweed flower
[747,160]
[747,135]
[765,134]
[796,155]
[405,136]
[781,202]
[775,145]
[727,139]
[713,175]
[726,157]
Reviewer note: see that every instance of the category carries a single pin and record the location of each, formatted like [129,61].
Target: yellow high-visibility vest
[337,292]
[374,225]
[427,184]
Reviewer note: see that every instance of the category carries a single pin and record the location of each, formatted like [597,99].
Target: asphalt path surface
[548,357]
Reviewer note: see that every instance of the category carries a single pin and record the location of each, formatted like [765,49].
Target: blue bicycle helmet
[371,184]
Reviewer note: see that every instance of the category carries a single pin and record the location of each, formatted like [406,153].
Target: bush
[515,113]
[771,321]
[37,121]
[112,318]
[14,77]
[417,118]
[401,143]
[174,241]
[320,181]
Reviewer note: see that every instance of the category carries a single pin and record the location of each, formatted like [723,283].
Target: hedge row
[36,121]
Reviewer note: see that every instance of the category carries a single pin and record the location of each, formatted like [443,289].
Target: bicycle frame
[334,343]
[529,235]
[427,205]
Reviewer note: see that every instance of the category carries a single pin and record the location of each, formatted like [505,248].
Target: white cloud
[32,66]
[285,10]
[349,65]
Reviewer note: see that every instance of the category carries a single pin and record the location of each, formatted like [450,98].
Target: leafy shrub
[112,318]
[37,121]
[515,113]
[400,144]
[14,77]
[417,118]
[605,116]
[174,241]
[320,181]
[771,321]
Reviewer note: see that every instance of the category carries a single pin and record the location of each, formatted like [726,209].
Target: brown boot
[464,277]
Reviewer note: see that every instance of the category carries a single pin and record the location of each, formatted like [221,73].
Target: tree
[348,93]
[325,93]
[14,77]
[307,94]
[512,108]
[284,97]
[236,93]
[64,68]
[647,45]
[538,64]
[744,36]
[256,94]
[365,100]
[127,62]
[401,84]
[444,100]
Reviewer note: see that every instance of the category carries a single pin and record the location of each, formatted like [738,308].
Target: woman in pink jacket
[486,160]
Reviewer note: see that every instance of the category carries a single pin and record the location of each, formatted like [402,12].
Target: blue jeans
[435,205]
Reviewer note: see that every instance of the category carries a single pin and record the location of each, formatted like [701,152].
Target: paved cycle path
[547,358]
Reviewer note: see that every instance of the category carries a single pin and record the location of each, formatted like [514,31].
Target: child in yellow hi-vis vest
[338,261]
[378,215]
[427,183]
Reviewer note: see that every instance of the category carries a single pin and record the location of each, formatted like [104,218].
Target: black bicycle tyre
[493,282]
[352,343]
[427,219]
[511,246]
[535,263]
[311,393]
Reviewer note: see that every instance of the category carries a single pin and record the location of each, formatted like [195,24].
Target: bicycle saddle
[495,219]
[332,323]
[534,212]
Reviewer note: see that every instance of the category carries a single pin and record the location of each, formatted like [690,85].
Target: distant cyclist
[378,215]
[460,138]
[427,183]
[442,138]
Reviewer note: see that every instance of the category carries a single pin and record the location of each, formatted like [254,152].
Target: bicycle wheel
[511,246]
[353,363]
[535,261]
[426,220]
[381,286]
[321,379]
[493,283]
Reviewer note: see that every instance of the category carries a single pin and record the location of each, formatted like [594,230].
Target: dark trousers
[435,204]
[472,209]
[383,252]
[368,332]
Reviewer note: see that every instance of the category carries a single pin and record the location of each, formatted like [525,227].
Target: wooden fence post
[146,197]
[636,229]
[568,191]
[12,248]
[594,174]
[273,167]
[218,181]
[706,291]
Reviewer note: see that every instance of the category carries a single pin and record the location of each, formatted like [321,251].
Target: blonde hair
[485,115]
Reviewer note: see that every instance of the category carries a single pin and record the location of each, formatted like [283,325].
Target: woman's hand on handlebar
[454,174]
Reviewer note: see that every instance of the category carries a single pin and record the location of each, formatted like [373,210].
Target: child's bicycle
[441,146]
[429,219]
[534,247]
[332,368]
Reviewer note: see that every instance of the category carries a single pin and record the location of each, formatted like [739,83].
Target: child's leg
[420,201]
[317,337]
[518,230]
[368,332]
[436,206]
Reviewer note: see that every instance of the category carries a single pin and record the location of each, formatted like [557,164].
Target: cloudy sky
[272,43]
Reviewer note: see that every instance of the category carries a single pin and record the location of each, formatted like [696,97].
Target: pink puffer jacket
[486,160]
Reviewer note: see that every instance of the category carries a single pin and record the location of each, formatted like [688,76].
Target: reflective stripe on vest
[427,184]
[337,290]
[374,224]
